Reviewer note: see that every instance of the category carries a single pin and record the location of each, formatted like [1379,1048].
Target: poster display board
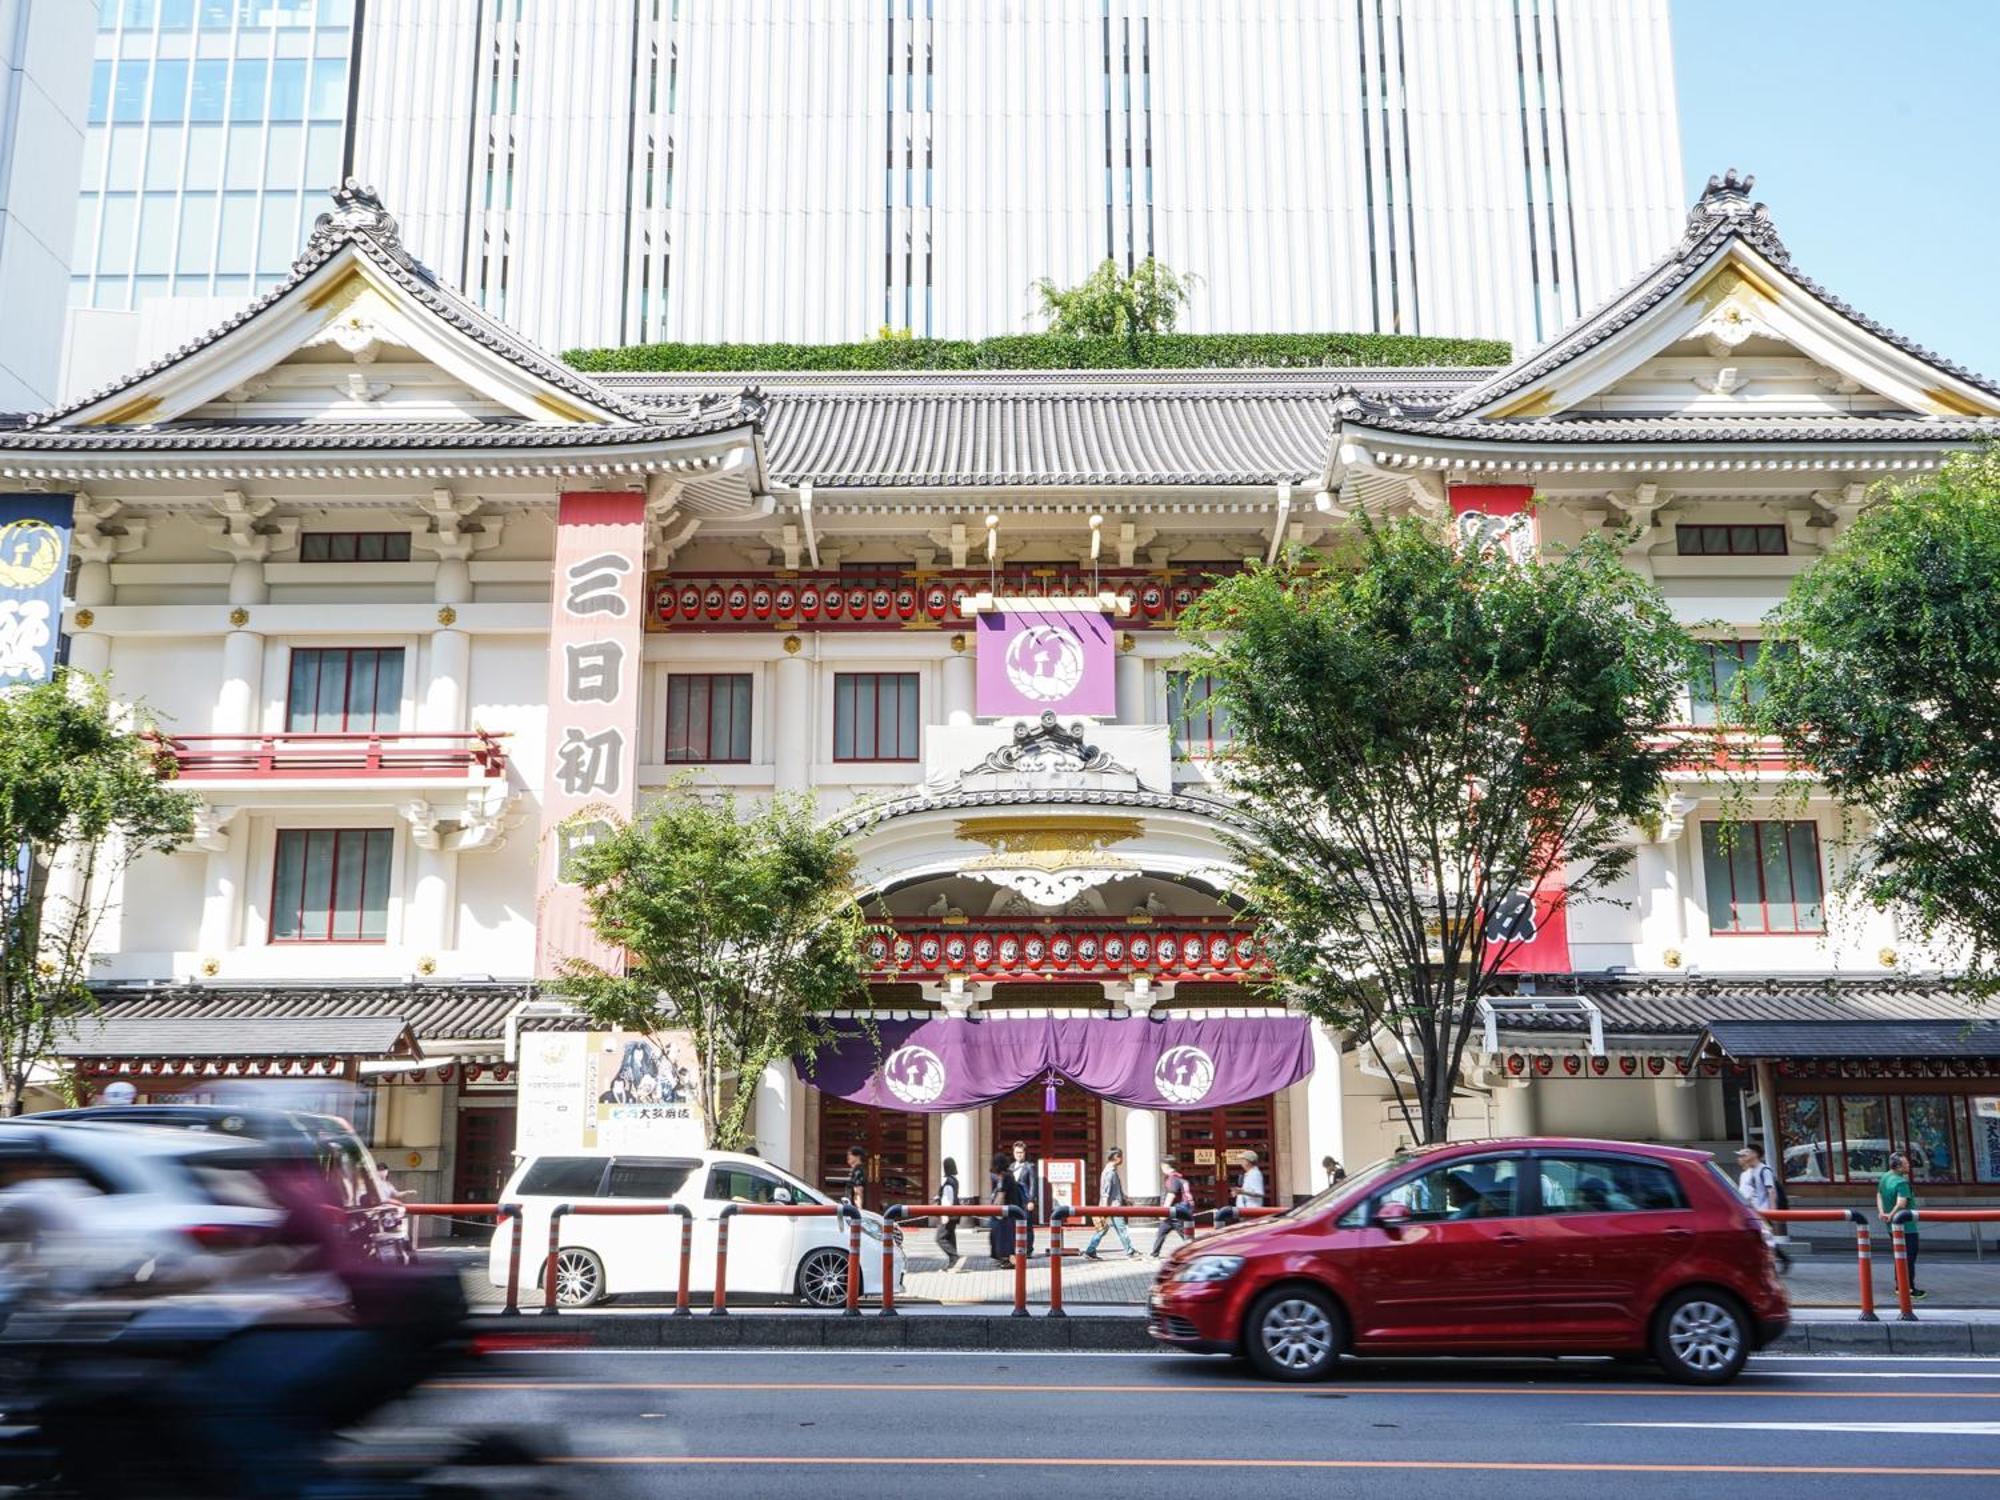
[609,1091]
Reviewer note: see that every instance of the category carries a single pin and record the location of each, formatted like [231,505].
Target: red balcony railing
[1065,948]
[326,756]
[1712,749]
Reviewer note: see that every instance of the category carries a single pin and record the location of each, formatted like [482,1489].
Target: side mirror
[1391,1217]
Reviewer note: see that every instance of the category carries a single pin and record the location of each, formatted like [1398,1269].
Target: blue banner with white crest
[34,561]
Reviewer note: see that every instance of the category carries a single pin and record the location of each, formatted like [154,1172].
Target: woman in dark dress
[1002,1190]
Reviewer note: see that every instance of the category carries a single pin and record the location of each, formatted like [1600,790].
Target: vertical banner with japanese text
[1536,922]
[34,555]
[596,624]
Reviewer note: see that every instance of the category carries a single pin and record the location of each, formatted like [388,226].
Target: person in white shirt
[1250,1192]
[1757,1185]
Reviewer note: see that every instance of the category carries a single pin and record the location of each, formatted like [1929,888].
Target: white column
[222,895]
[792,723]
[958,1140]
[1145,1130]
[1324,1106]
[236,711]
[772,1115]
[443,708]
[1676,1111]
[90,651]
[960,694]
[1130,688]
[1515,1108]
[431,905]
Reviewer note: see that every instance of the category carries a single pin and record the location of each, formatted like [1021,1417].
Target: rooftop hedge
[1047,351]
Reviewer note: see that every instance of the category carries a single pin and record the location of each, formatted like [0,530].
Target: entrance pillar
[1129,683]
[773,1115]
[1325,1110]
[792,723]
[956,1140]
[959,687]
[1143,1132]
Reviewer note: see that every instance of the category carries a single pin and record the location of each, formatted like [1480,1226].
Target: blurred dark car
[375,1213]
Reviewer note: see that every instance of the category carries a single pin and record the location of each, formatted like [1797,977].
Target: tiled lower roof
[1685,429]
[346,437]
[116,1034]
[434,1012]
[1748,1041]
[1647,1006]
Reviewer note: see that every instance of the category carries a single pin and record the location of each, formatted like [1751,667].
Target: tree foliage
[83,793]
[1110,304]
[1421,734]
[742,932]
[1891,695]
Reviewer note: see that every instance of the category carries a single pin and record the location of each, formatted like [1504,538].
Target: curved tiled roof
[973,435]
[1683,1007]
[434,1012]
[261,437]
[1686,429]
[1723,213]
[360,220]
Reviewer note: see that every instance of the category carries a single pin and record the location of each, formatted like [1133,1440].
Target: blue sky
[1874,129]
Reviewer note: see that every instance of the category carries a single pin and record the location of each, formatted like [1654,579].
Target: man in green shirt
[1894,1192]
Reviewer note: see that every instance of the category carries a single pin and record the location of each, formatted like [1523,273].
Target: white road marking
[1908,1429]
[1866,1375]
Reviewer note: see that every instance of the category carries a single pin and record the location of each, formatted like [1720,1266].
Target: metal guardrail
[719,1306]
[903,1213]
[621,1211]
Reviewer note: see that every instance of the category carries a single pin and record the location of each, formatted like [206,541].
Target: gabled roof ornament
[358,213]
[1725,204]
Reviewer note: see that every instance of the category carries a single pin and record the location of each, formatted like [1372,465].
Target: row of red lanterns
[753,601]
[1627,1065]
[1032,951]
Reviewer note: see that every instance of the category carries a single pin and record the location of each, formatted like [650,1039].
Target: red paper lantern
[835,604]
[808,603]
[760,602]
[690,602]
[787,603]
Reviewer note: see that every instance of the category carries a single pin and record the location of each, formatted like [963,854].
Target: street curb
[1002,1333]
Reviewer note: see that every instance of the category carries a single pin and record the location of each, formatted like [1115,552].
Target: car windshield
[1361,1179]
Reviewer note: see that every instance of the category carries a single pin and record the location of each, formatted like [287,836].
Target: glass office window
[283,154]
[170,90]
[128,93]
[100,92]
[244,167]
[124,158]
[323,144]
[204,158]
[238,235]
[155,252]
[288,89]
[329,88]
[246,89]
[278,239]
[114,240]
[197,249]
[211,89]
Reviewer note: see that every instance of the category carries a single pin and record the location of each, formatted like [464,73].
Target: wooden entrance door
[484,1156]
[898,1145]
[1216,1133]
[1075,1129]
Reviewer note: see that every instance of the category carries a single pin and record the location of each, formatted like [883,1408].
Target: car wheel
[1701,1337]
[579,1277]
[823,1278]
[1294,1333]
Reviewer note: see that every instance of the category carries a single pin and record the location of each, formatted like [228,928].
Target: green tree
[1891,696]
[83,793]
[742,932]
[1108,304]
[1423,733]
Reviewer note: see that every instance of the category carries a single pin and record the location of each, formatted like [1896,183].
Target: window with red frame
[345,690]
[708,718]
[875,716]
[1724,689]
[331,885]
[1763,877]
[1199,723]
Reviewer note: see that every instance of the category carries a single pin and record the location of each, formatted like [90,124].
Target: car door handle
[1680,1236]
[1507,1237]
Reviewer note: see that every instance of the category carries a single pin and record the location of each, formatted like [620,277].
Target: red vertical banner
[1535,922]
[596,634]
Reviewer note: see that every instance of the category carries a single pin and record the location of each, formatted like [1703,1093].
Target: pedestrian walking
[1027,1176]
[1250,1191]
[1175,1195]
[1111,1193]
[1894,1193]
[857,1176]
[1002,1191]
[947,1235]
[1757,1185]
[1336,1174]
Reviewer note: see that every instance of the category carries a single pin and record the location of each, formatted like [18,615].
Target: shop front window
[1986,1138]
[1864,1132]
[1928,1134]
[1807,1156]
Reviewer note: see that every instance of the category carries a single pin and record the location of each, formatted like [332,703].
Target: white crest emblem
[1045,662]
[1184,1075]
[914,1074]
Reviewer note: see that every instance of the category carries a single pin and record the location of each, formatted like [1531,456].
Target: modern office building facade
[600,172]
[44,62]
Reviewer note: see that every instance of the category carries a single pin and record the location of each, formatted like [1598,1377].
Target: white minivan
[610,1255]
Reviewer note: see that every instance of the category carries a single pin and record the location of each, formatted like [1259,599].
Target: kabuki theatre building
[406,593]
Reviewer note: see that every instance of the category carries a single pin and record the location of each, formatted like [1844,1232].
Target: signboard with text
[608,1091]
[1050,660]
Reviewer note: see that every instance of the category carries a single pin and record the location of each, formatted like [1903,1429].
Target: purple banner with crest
[1032,661]
[931,1066]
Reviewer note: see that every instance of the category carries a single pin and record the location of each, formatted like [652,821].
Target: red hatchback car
[1490,1247]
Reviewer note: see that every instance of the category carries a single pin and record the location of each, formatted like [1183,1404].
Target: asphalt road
[836,1423]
